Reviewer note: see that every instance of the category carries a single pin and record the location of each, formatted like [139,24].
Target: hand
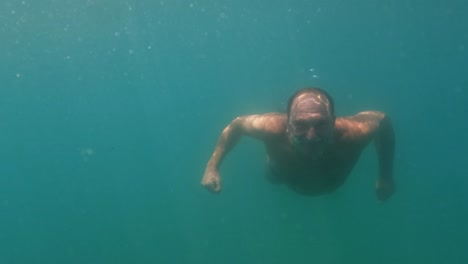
[385,187]
[211,180]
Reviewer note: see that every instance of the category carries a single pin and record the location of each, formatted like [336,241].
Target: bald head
[311,121]
[314,99]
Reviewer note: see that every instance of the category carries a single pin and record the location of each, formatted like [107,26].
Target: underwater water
[109,111]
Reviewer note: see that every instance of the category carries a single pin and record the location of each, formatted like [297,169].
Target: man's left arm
[377,125]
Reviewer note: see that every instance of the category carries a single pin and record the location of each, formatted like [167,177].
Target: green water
[109,111]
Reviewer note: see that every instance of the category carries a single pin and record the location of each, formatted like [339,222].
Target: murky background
[109,111]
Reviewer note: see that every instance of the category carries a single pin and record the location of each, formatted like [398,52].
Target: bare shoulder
[361,126]
[263,124]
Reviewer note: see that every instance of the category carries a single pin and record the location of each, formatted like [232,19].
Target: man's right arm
[257,126]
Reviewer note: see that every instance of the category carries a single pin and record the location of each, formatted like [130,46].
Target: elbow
[386,131]
[237,122]
[386,122]
[383,120]
[234,126]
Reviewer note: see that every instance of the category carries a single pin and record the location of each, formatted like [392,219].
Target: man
[308,149]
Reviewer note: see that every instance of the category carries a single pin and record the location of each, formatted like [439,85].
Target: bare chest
[312,176]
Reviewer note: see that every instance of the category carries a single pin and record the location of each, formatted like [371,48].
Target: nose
[311,135]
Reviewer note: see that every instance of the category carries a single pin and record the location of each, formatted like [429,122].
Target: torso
[312,177]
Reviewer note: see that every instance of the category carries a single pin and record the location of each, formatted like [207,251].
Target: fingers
[383,194]
[213,186]
[384,188]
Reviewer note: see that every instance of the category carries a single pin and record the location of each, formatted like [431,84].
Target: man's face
[310,124]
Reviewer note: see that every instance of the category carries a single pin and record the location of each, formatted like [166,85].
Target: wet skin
[310,151]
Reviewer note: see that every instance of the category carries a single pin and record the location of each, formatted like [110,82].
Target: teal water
[109,111]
